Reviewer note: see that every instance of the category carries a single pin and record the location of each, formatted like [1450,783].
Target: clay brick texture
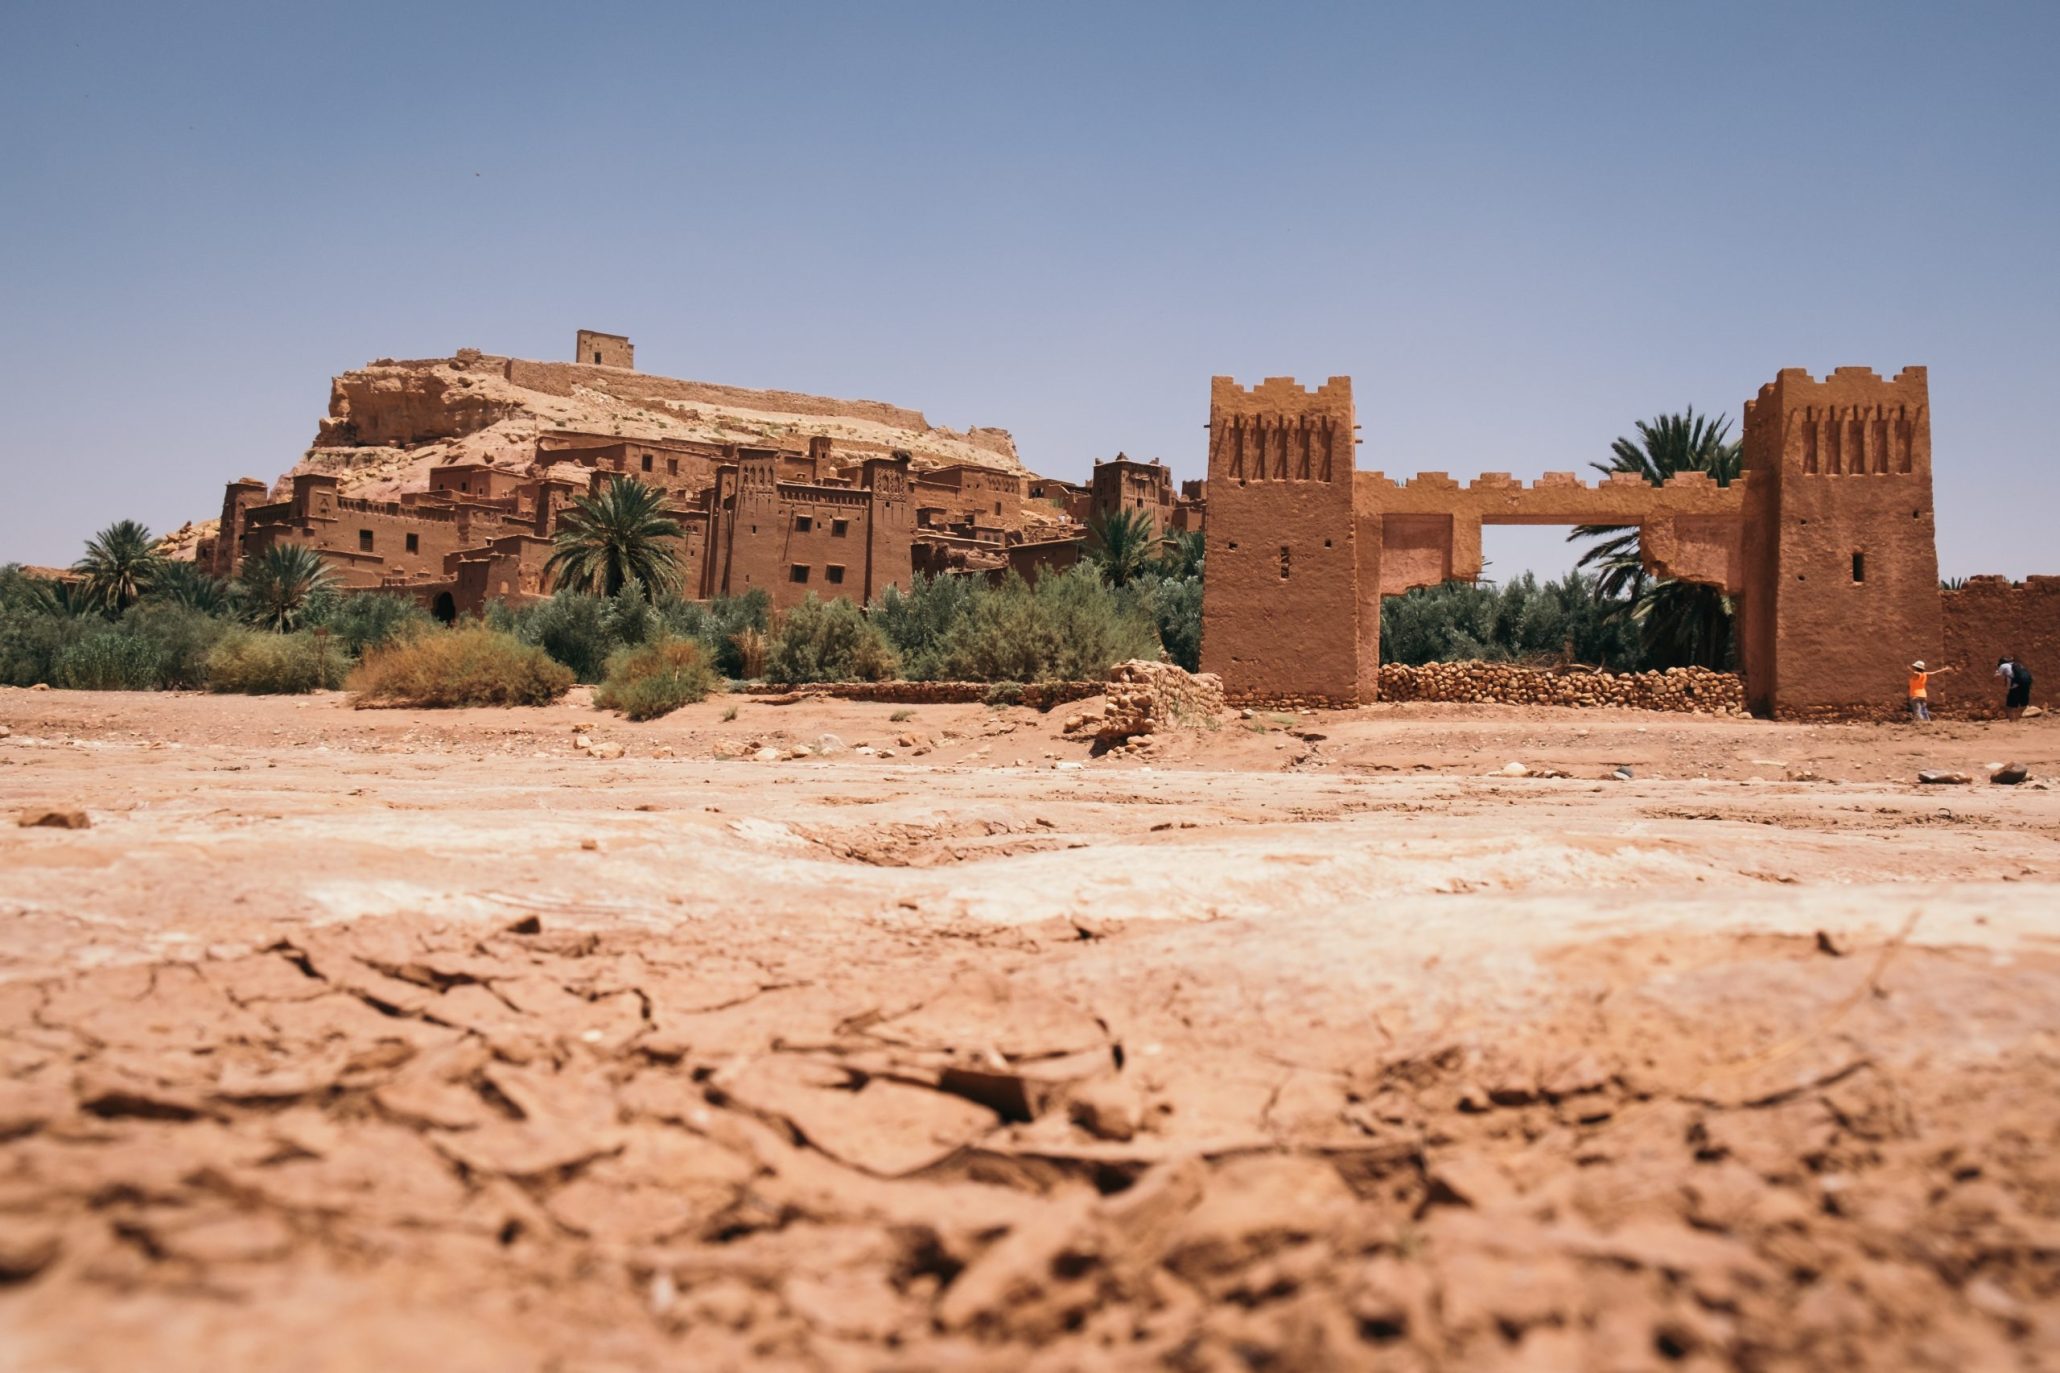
[1827,540]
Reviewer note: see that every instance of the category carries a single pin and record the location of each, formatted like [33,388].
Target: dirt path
[1307,1042]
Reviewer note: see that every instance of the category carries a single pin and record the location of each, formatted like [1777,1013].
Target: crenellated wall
[1988,618]
[1827,540]
[1279,609]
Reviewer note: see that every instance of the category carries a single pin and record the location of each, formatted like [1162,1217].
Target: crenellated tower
[1840,558]
[1280,605]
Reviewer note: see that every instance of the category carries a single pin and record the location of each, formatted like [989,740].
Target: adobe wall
[1840,551]
[1987,618]
[604,350]
[367,543]
[1124,484]
[1279,612]
[890,526]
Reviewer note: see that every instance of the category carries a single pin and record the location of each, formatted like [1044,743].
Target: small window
[1859,567]
[672,467]
[597,359]
[839,528]
[802,524]
[997,507]
[1283,562]
[833,573]
[798,572]
[364,541]
[647,462]
[414,543]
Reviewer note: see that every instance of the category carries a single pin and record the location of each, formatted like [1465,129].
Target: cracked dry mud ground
[333,1045]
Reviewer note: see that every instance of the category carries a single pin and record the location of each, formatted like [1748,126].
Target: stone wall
[1991,616]
[1147,698]
[1691,689]
[1037,695]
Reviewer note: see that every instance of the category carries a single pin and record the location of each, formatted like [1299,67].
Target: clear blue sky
[1518,227]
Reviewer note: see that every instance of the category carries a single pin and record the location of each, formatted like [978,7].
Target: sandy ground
[380,1040]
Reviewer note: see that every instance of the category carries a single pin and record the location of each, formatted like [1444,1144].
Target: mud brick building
[1827,541]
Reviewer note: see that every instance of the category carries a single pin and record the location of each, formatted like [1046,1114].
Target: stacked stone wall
[1147,698]
[1689,689]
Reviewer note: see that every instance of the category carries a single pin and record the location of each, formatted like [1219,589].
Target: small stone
[54,820]
[767,755]
[1515,770]
[2009,775]
[1934,777]
[1069,766]
[2032,712]
[590,845]
[829,744]
[582,742]
[1621,774]
[606,749]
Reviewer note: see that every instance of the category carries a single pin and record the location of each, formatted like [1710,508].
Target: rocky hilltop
[392,420]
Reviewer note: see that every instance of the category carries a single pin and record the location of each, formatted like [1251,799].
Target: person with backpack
[2017,686]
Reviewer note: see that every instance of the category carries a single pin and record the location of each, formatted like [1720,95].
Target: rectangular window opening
[672,467]
[364,541]
[839,528]
[647,462]
[798,572]
[1859,567]
[833,573]
[414,543]
[597,359]
[802,524]
[1283,562]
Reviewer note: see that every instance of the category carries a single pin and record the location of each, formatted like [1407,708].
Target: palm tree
[183,583]
[121,563]
[1183,557]
[280,584]
[1126,542]
[1679,623]
[620,535]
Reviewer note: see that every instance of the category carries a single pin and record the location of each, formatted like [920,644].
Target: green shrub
[656,679]
[475,666]
[1176,604]
[730,628]
[919,622]
[1068,627]
[260,663]
[827,641]
[1522,620]
[181,636]
[369,619]
[105,659]
[1005,694]
[30,643]
[571,626]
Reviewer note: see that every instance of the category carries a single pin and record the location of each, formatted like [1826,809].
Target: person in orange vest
[1920,695]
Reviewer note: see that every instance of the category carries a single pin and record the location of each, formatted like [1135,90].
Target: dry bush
[656,679]
[460,667]
[258,662]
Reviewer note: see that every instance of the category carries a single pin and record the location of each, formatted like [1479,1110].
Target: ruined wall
[241,497]
[1987,618]
[1841,562]
[1279,614]
[604,350]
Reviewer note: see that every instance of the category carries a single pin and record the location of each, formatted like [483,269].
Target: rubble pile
[1695,690]
[1147,698]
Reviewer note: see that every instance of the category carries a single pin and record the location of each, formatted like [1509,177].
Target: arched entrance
[444,608]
